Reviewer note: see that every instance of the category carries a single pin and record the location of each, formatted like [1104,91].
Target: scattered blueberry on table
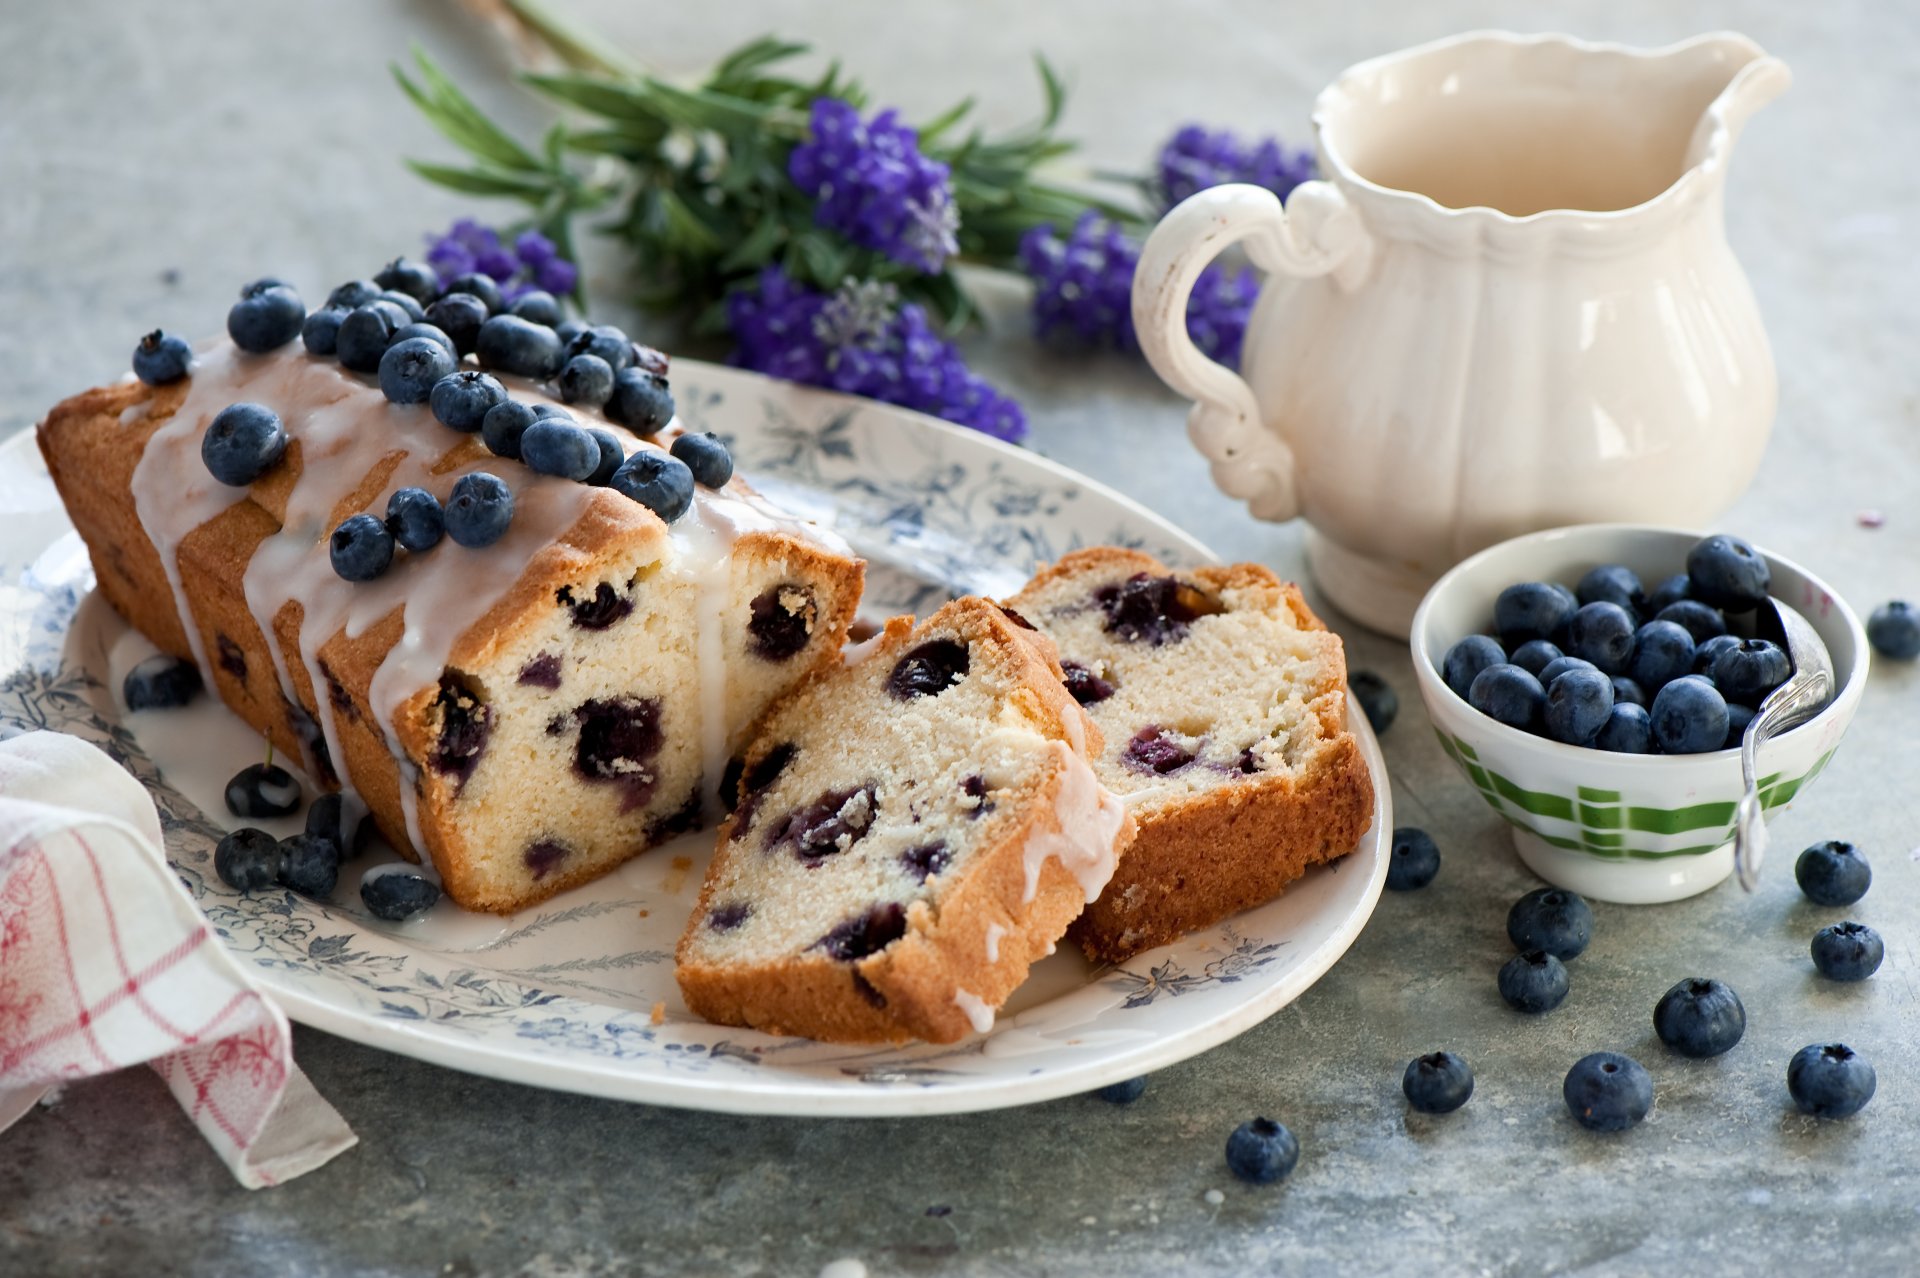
[1437,1083]
[246,859]
[1894,630]
[1608,1092]
[263,790]
[1124,1092]
[161,682]
[309,865]
[398,895]
[1700,1017]
[1413,861]
[1551,919]
[1833,873]
[1830,1080]
[1847,951]
[1533,982]
[1262,1151]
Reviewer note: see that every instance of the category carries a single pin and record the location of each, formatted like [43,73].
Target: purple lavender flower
[874,186]
[532,262]
[861,339]
[1196,158]
[1083,291]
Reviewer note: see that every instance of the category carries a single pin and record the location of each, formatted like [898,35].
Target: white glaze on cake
[979,1012]
[1090,817]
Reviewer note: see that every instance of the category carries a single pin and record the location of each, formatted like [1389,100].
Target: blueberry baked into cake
[526,633]
[911,831]
[1221,700]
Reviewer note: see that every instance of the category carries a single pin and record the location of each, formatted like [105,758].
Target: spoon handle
[1789,705]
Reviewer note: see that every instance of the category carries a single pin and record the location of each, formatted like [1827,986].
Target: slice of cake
[1222,702]
[525,713]
[911,832]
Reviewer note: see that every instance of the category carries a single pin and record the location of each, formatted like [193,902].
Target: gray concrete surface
[153,156]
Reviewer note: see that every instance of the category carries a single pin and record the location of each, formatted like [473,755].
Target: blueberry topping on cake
[585,379]
[160,682]
[320,334]
[361,548]
[865,934]
[537,307]
[641,401]
[928,670]
[504,425]
[619,741]
[1087,687]
[459,316]
[466,722]
[556,446]
[612,453]
[161,358]
[1150,609]
[659,481]
[268,315]
[366,332]
[244,442]
[415,519]
[541,672]
[416,279]
[1152,750]
[479,509]
[432,333]
[352,295]
[481,285]
[830,824]
[706,457]
[512,344]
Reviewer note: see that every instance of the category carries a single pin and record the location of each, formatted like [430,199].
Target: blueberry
[567,331]
[1466,659]
[554,446]
[1551,919]
[1509,694]
[309,865]
[247,859]
[411,367]
[463,400]
[537,307]
[585,379]
[1533,982]
[1700,1017]
[1704,623]
[1689,716]
[552,410]
[1125,1092]
[1608,1092]
[406,303]
[244,442]
[1709,652]
[1614,584]
[268,315]
[352,295]
[641,402]
[604,340]
[160,683]
[365,334]
[263,790]
[479,510]
[320,334]
[415,519]
[432,333]
[1629,730]
[504,426]
[416,279]
[1262,1151]
[1536,655]
[513,345]
[162,357]
[1151,750]
[1728,573]
[660,482]
[1603,634]
[1414,860]
[929,669]
[361,548]
[1628,691]
[326,820]
[1667,593]
[481,285]
[1893,629]
[612,453]
[1751,669]
[1847,951]
[398,895]
[1560,665]
[1437,1083]
[1532,610]
[706,456]
[1830,1080]
[1831,873]
[1662,652]
[1578,705]
[1738,717]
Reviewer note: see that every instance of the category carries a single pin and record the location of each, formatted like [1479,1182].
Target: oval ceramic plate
[578,993]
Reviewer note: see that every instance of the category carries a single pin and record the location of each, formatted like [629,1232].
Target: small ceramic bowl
[1637,829]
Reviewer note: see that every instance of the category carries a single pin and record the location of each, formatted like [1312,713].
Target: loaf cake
[911,831]
[1221,699]
[525,715]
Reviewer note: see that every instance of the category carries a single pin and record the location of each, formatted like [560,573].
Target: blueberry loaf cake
[1222,701]
[911,831]
[537,681]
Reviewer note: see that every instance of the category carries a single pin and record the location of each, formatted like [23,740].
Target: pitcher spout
[1749,79]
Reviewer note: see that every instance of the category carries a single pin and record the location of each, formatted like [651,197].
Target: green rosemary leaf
[634,145]
[1055,91]
[758,248]
[455,115]
[531,187]
[597,95]
[930,131]
[742,63]
[688,230]
[579,49]
[705,109]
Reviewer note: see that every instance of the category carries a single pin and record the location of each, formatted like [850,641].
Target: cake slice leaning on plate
[911,832]
[1222,700]
[527,713]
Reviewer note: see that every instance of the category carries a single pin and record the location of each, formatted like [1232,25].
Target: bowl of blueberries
[1594,684]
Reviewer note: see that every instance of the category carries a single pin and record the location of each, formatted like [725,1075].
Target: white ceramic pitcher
[1510,306]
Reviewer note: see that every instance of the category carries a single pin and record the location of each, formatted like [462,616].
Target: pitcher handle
[1318,232]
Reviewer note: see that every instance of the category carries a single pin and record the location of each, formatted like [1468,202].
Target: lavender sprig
[532,262]
[871,183]
[1196,158]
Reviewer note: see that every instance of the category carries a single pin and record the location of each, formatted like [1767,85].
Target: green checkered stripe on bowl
[1600,824]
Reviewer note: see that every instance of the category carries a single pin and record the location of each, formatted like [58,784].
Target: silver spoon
[1795,701]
